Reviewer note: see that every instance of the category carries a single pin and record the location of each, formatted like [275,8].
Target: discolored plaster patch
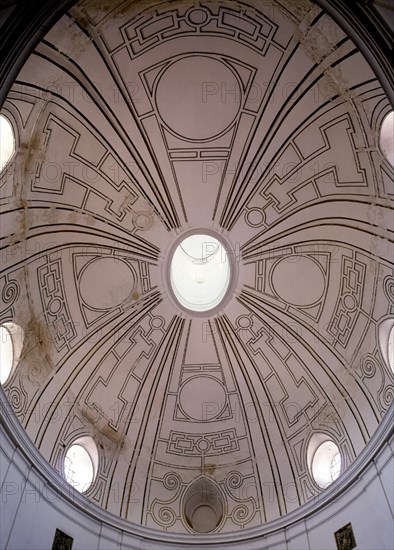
[72,42]
[209,469]
[299,9]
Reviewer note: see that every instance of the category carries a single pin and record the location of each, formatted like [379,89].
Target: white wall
[35,501]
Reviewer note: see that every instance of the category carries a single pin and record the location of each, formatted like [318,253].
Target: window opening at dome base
[326,464]
[6,354]
[80,463]
[386,341]
[387,137]
[200,273]
[11,342]
[7,142]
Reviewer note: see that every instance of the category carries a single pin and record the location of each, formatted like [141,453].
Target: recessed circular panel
[349,302]
[198,97]
[106,283]
[143,220]
[298,280]
[197,17]
[200,273]
[255,217]
[244,322]
[200,396]
[204,519]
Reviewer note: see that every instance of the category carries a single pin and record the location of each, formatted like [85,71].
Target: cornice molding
[22,25]
[11,428]
[373,37]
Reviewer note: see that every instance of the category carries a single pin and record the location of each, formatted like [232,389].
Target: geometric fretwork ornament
[345,538]
[62,541]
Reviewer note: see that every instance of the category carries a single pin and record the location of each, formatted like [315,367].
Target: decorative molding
[82,507]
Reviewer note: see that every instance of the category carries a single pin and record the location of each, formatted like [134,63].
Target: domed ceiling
[255,125]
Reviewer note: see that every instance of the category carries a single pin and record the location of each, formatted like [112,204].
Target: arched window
[11,342]
[324,460]
[7,141]
[386,139]
[80,463]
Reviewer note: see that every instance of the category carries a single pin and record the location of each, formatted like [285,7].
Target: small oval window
[11,342]
[7,141]
[326,464]
[386,140]
[6,354]
[80,463]
[386,341]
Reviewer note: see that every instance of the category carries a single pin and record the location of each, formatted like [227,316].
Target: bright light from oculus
[326,464]
[200,273]
[78,468]
[7,141]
